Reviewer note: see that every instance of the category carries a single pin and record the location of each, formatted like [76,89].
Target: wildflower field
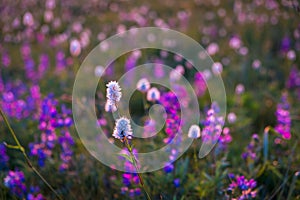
[180,100]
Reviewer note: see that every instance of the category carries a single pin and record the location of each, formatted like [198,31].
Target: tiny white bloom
[153,94]
[143,85]
[194,132]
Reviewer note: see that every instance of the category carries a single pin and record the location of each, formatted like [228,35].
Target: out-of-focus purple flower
[239,89]
[285,44]
[283,126]
[158,68]
[291,55]
[15,181]
[34,194]
[212,49]
[3,157]
[51,123]
[66,141]
[28,19]
[252,149]
[224,139]
[60,61]
[176,182]
[294,79]
[5,59]
[231,117]
[212,125]
[241,188]
[199,84]
[43,66]
[170,102]
[256,64]
[169,168]
[235,42]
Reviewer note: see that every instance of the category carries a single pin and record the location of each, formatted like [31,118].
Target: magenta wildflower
[242,188]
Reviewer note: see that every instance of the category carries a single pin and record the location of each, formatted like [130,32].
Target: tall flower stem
[21,148]
[136,167]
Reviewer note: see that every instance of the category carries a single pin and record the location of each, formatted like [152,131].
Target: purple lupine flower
[15,182]
[212,125]
[170,102]
[66,141]
[51,123]
[3,157]
[224,139]
[14,103]
[241,188]
[283,126]
[252,149]
[34,194]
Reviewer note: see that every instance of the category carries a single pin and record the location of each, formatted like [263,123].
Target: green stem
[136,167]
[266,143]
[21,148]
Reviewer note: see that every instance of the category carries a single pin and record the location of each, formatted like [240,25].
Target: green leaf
[127,157]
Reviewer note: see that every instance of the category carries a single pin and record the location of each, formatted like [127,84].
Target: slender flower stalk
[136,166]
[21,148]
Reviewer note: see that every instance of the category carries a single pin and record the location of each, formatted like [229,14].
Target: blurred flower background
[256,49]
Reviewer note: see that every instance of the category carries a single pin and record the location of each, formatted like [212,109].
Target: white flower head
[153,94]
[122,129]
[113,92]
[194,132]
[110,107]
[143,85]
